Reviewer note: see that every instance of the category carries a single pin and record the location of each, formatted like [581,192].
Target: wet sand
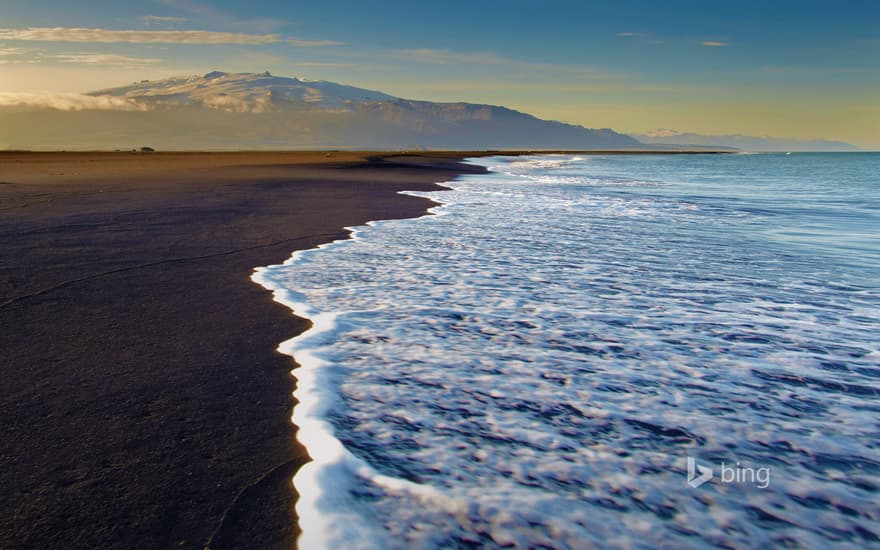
[143,403]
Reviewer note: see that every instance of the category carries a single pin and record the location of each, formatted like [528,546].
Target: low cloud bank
[70,102]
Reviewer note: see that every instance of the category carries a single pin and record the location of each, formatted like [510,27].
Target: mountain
[745,143]
[262,111]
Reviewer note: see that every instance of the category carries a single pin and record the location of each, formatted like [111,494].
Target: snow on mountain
[244,93]
[262,111]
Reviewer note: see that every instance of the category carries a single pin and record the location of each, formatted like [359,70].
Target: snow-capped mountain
[244,93]
[259,110]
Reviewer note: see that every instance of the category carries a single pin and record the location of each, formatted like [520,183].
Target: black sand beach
[143,403]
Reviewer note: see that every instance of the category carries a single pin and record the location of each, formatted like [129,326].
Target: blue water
[533,365]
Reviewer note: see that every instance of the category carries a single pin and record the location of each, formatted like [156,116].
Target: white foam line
[322,483]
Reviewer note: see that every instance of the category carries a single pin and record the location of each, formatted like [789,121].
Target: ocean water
[535,365]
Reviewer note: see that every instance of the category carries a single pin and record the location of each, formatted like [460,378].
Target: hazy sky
[803,69]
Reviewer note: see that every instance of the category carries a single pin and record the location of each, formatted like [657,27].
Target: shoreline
[146,403]
[434,374]
[313,399]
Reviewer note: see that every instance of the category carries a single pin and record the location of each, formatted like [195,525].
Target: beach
[545,361]
[144,403]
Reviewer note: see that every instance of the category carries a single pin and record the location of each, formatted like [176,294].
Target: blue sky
[792,69]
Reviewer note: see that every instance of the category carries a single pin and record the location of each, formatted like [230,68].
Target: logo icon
[696,474]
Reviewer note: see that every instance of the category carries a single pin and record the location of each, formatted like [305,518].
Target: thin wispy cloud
[19,56]
[489,59]
[70,34]
[105,59]
[150,20]
[818,69]
[509,85]
[312,43]
[216,18]
[714,43]
[641,37]
[323,64]
[447,57]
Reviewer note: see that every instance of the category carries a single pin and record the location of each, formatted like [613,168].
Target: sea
[598,351]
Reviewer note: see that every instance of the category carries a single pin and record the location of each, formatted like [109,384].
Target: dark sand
[143,403]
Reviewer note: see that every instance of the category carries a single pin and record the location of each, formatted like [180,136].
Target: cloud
[18,56]
[514,67]
[68,34]
[324,64]
[212,17]
[70,102]
[507,86]
[159,19]
[447,57]
[714,43]
[312,43]
[641,37]
[816,69]
[105,59]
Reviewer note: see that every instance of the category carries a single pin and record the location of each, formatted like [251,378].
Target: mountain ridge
[667,137]
[220,110]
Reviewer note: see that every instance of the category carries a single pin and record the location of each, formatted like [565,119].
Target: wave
[324,508]
[532,364]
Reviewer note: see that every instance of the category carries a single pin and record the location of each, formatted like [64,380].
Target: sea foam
[533,364]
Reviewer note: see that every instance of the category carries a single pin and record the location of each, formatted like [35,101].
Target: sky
[796,69]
